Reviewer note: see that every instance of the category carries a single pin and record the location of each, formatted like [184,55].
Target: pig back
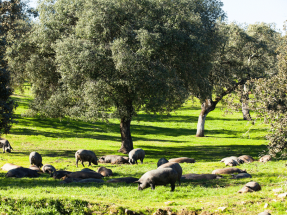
[83,175]
[182,160]
[161,176]
[174,166]
[9,166]
[137,154]
[228,170]
[115,159]
[35,158]
[246,158]
[85,155]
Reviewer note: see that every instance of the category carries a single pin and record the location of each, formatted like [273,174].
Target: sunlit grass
[160,136]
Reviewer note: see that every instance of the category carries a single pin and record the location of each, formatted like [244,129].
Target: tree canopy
[244,53]
[13,16]
[270,103]
[90,59]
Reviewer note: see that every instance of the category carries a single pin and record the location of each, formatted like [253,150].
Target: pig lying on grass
[9,166]
[265,158]
[60,174]
[105,172]
[47,168]
[84,175]
[127,180]
[246,158]
[241,175]
[34,167]
[79,180]
[250,187]
[114,159]
[182,160]
[193,176]
[229,170]
[22,172]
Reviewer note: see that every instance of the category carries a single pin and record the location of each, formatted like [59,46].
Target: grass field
[160,136]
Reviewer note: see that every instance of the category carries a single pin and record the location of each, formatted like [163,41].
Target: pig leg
[141,161]
[136,161]
[152,186]
[83,163]
[172,186]
[3,149]
[90,163]
[77,162]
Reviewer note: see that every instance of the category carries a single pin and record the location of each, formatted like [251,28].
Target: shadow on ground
[207,153]
[101,130]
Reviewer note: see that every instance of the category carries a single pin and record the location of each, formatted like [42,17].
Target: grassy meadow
[160,136]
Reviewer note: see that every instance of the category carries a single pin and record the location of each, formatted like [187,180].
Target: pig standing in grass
[136,154]
[161,176]
[86,155]
[174,166]
[36,158]
[5,145]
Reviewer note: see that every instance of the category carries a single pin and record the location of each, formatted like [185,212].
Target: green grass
[160,136]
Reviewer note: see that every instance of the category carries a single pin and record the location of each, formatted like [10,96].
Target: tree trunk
[206,107]
[245,101]
[127,142]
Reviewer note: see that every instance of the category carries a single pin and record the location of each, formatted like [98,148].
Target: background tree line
[97,59]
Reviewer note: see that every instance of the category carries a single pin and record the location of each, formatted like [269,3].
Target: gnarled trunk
[245,111]
[127,142]
[206,107]
[245,101]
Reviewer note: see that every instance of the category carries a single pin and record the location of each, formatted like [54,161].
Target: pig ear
[137,182]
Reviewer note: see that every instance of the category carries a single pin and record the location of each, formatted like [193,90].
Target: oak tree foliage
[14,14]
[243,53]
[270,103]
[89,59]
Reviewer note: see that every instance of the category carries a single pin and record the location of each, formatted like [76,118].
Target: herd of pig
[167,172]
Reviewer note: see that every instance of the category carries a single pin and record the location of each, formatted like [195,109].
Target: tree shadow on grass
[100,131]
[207,153]
[44,181]
[178,118]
